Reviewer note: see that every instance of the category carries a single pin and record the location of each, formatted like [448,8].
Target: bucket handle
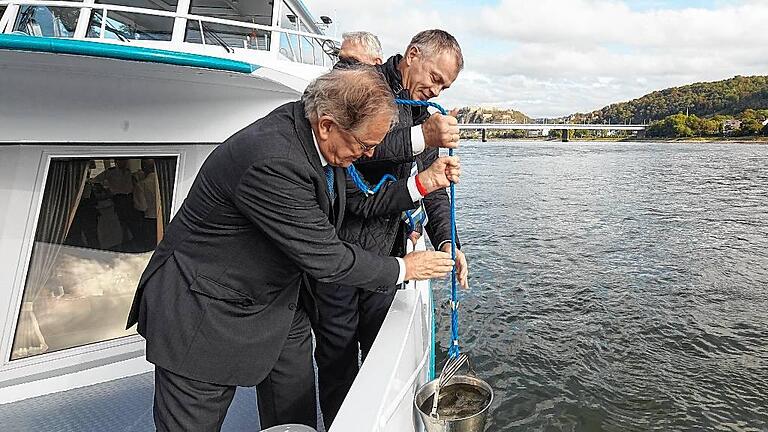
[470,369]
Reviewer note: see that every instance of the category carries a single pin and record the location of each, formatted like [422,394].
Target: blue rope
[358,179]
[362,185]
[453,349]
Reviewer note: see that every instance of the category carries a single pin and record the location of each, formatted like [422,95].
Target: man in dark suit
[217,303]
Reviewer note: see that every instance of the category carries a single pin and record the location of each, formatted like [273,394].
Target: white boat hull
[56,98]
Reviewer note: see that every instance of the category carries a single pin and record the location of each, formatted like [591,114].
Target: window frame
[4,9]
[121,348]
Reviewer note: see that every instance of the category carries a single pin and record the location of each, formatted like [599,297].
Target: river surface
[616,286]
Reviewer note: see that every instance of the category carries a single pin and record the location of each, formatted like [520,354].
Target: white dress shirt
[417,140]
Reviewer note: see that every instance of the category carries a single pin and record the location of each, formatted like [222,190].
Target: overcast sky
[556,57]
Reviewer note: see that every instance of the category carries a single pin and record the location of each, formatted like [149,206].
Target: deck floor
[123,405]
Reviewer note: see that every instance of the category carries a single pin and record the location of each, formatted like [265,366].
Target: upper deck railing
[173,30]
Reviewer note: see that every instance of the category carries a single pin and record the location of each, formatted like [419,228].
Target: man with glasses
[217,303]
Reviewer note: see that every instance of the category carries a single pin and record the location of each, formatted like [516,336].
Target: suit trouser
[345,318]
[286,395]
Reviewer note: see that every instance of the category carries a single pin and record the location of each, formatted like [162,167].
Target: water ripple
[616,287]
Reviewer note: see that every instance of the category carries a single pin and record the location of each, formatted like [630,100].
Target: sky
[549,58]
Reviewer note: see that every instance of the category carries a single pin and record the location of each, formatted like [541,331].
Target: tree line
[734,107]
[747,123]
[737,106]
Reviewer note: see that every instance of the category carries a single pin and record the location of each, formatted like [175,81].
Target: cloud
[579,23]
[554,57]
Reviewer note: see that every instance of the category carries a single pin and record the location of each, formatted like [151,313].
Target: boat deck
[122,405]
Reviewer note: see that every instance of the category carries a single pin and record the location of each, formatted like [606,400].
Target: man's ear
[324,125]
[412,53]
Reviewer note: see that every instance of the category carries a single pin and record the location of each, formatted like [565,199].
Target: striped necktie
[329,177]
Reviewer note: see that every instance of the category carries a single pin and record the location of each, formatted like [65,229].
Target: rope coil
[453,349]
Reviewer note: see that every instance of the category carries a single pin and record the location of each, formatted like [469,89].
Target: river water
[616,287]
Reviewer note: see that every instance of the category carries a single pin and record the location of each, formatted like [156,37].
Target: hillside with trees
[736,107]
[728,97]
[732,107]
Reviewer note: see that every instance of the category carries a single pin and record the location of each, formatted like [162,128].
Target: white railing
[400,361]
[7,22]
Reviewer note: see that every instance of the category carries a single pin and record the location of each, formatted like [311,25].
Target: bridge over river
[546,127]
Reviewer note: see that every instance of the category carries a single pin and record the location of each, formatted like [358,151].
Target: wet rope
[453,349]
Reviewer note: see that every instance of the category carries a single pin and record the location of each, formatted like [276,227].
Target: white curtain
[61,196]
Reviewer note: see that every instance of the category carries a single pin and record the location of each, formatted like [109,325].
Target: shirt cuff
[413,191]
[401,275]
[417,140]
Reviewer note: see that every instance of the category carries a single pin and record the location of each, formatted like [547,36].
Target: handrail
[123,52]
[157,12]
[255,26]
[385,414]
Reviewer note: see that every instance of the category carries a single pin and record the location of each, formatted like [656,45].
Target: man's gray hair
[367,40]
[432,42]
[352,96]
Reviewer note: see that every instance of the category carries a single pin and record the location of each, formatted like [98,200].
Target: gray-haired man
[362,47]
[217,302]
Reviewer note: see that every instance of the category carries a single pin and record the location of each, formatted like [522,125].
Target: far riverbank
[721,140]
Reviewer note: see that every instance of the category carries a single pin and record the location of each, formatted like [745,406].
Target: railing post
[482,136]
[274,37]
[564,135]
[84,20]
[6,25]
[179,23]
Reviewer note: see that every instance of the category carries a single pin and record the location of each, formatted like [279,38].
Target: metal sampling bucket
[470,423]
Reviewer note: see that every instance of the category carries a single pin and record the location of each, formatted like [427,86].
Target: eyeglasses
[365,147]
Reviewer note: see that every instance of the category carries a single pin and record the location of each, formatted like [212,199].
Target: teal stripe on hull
[121,52]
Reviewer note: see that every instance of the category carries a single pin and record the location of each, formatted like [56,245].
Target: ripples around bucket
[616,287]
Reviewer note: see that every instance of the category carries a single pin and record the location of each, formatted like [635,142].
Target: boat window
[47,21]
[312,51]
[254,12]
[289,43]
[130,26]
[307,53]
[99,221]
[165,5]
[231,36]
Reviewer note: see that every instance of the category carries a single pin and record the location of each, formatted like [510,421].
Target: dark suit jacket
[217,298]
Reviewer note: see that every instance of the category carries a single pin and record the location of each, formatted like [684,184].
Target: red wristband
[420,187]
